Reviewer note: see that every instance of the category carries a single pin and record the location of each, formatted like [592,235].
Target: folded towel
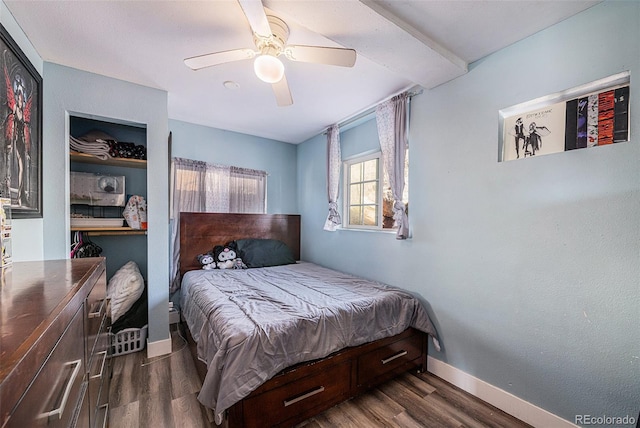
[98,148]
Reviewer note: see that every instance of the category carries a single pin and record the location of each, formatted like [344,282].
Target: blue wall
[231,148]
[360,139]
[69,91]
[531,267]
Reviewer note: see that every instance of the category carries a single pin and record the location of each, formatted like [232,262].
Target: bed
[279,343]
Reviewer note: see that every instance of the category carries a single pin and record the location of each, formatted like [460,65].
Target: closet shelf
[86,158]
[109,231]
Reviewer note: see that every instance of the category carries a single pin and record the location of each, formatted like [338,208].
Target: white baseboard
[495,396]
[159,347]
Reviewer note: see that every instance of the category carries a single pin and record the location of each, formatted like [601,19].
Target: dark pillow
[264,252]
[136,317]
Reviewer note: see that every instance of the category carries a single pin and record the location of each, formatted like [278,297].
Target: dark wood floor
[161,392]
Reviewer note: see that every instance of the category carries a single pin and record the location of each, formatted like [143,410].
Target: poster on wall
[21,130]
[591,115]
[536,132]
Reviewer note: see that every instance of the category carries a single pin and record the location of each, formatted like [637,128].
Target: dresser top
[32,296]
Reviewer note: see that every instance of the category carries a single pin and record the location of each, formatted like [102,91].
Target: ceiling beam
[377,34]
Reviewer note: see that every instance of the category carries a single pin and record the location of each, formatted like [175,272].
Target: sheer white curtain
[391,118]
[204,187]
[334,161]
[217,189]
[248,191]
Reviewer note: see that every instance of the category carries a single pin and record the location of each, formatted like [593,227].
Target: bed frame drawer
[324,389]
[389,359]
[343,375]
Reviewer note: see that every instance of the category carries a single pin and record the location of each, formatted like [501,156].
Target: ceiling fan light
[268,68]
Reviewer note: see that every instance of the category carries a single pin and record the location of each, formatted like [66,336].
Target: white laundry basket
[128,340]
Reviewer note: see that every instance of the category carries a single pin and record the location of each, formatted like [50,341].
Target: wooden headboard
[200,232]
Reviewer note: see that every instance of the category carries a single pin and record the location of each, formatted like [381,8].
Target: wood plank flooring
[161,392]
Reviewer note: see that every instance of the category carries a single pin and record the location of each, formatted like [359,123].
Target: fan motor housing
[274,44]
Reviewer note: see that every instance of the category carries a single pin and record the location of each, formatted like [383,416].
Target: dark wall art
[21,133]
[591,115]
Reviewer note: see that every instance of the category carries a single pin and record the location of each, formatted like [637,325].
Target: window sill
[356,229]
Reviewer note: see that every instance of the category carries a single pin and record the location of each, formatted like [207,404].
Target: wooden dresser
[54,344]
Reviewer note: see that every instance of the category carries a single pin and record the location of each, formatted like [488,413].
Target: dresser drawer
[96,309]
[102,417]
[321,390]
[387,358]
[54,394]
[99,370]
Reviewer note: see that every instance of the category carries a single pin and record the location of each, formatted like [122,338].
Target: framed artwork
[21,130]
[590,115]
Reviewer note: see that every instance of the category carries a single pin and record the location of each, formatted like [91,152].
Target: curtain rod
[413,91]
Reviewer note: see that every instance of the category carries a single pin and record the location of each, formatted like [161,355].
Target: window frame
[346,168]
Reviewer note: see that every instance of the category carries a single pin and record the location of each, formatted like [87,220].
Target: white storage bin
[128,340]
[96,222]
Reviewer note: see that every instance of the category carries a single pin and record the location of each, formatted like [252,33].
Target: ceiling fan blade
[321,55]
[208,60]
[254,11]
[282,92]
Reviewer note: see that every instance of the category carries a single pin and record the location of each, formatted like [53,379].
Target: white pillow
[124,288]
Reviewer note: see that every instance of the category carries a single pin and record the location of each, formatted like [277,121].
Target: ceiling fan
[270,35]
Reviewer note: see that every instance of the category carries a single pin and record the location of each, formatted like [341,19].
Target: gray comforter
[250,324]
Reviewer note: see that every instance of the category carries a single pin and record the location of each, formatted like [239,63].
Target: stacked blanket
[98,148]
[104,146]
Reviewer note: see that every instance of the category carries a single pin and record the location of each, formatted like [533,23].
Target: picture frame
[20,130]
[590,115]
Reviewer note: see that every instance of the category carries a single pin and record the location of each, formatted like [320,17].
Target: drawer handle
[393,357]
[303,396]
[67,391]
[106,414]
[96,314]
[104,358]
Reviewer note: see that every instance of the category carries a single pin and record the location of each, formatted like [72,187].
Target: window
[198,186]
[368,200]
[204,187]
[248,191]
[363,192]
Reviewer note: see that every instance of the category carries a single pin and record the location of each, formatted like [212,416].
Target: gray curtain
[198,186]
[334,161]
[391,119]
[189,188]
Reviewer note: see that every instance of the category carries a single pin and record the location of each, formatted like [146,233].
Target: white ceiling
[400,43]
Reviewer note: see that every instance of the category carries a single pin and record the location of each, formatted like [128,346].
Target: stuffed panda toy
[225,256]
[207,261]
